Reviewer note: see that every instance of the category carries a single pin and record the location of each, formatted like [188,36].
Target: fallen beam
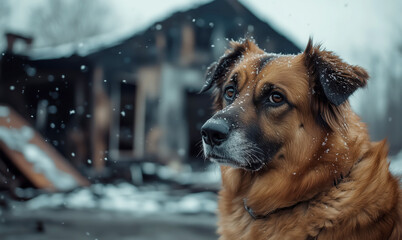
[33,156]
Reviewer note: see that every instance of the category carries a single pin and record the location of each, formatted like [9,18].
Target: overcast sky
[347,27]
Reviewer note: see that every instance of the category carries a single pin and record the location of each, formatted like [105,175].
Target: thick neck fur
[328,181]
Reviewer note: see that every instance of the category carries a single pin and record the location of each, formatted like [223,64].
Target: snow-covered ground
[127,198]
[157,210]
[67,224]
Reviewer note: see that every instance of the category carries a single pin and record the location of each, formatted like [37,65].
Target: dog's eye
[230,93]
[276,98]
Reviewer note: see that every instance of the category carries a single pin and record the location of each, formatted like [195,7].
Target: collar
[265,216]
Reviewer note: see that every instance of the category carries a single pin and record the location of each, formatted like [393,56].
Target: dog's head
[267,103]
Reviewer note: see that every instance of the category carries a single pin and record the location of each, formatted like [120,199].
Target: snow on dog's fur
[296,161]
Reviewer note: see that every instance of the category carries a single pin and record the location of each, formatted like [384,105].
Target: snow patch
[125,197]
[19,140]
[4,111]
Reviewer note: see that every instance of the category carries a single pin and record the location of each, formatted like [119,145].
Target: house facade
[136,100]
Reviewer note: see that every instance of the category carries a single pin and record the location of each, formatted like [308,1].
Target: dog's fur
[307,166]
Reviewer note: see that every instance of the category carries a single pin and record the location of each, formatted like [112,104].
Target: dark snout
[226,142]
[214,132]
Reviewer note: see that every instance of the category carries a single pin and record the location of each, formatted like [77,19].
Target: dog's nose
[214,132]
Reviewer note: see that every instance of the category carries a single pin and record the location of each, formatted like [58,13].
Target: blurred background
[100,111]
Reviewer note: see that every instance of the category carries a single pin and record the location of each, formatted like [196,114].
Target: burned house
[136,99]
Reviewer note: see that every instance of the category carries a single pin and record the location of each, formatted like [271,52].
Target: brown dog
[297,163]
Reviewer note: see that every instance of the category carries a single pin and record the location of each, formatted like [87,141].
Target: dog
[296,161]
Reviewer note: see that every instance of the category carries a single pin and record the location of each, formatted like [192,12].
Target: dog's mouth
[217,158]
[247,165]
[222,161]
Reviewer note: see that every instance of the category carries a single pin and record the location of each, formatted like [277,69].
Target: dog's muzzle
[221,144]
[215,132]
[225,142]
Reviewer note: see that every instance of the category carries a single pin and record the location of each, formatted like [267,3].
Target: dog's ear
[209,77]
[217,71]
[337,79]
[332,81]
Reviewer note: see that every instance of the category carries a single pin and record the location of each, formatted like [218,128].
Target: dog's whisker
[200,153]
[248,160]
[199,144]
[257,154]
[257,149]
